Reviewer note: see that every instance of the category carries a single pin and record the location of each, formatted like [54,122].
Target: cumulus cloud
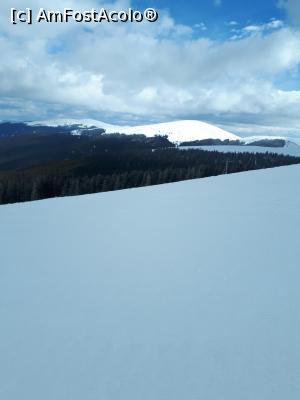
[201,26]
[145,72]
[292,8]
[273,24]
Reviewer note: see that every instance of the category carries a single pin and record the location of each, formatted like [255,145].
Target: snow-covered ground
[290,148]
[177,292]
[252,139]
[180,131]
[177,131]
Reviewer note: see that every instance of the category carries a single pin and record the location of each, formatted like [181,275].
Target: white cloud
[232,23]
[292,8]
[273,24]
[201,26]
[146,71]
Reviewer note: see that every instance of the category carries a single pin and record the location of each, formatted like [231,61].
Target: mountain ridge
[177,131]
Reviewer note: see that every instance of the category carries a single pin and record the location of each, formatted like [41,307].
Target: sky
[231,63]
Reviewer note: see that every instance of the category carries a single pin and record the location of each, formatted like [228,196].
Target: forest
[40,167]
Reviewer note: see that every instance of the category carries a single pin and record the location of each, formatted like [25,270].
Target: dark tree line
[114,170]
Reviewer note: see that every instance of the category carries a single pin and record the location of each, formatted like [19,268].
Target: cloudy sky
[228,62]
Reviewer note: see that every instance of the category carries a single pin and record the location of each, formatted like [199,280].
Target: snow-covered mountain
[178,131]
[287,139]
[182,291]
[289,148]
[80,123]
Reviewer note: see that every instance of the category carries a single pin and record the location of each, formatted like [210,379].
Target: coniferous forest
[34,167]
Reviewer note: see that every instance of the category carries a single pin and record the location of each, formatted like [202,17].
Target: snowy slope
[177,131]
[83,123]
[291,149]
[180,131]
[251,139]
[176,292]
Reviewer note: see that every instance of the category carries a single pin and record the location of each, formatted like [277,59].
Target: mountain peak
[177,131]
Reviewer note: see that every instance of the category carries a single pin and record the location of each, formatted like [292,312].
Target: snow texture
[177,131]
[291,149]
[186,291]
[251,139]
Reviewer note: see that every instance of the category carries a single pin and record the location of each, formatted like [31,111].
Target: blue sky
[228,62]
[214,13]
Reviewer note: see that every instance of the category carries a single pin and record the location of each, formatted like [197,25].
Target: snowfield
[186,291]
[178,131]
[292,139]
[290,149]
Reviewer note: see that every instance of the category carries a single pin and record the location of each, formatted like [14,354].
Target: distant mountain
[16,129]
[178,131]
[184,132]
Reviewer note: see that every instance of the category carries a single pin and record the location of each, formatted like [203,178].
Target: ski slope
[177,292]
